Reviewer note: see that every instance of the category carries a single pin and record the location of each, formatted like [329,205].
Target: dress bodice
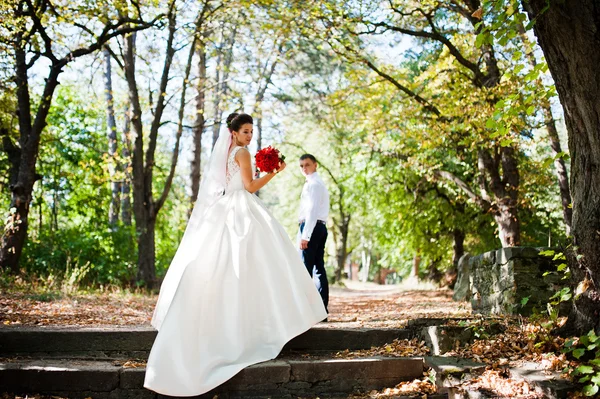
[233,177]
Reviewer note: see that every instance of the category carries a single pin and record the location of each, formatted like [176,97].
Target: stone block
[132,378]
[46,375]
[273,372]
[352,369]
[462,288]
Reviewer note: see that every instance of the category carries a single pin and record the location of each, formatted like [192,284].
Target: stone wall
[496,281]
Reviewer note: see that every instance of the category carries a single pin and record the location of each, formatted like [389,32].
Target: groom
[314,210]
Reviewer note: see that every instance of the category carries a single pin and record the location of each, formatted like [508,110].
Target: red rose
[268,159]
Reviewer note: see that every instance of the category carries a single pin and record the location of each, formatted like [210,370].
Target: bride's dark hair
[235,121]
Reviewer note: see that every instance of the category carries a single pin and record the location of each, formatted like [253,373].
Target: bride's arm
[252,185]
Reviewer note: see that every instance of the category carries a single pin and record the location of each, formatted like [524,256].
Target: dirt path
[358,305]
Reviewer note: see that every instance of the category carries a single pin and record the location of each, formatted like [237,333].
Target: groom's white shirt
[314,204]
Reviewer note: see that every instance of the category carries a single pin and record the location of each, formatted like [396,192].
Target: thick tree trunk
[15,230]
[508,224]
[505,190]
[14,156]
[145,207]
[559,163]
[142,198]
[146,274]
[568,34]
[113,167]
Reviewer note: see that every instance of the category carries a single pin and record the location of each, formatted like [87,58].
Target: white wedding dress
[234,294]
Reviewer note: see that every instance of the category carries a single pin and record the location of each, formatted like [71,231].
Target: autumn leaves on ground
[358,306]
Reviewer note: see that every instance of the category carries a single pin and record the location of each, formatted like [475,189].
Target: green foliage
[380,150]
[70,239]
[587,349]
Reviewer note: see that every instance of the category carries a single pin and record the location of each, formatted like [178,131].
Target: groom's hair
[235,121]
[308,156]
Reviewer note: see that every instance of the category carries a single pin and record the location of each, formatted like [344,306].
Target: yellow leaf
[583,286]
[478,14]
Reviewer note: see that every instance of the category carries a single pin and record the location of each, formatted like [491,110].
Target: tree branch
[105,36]
[160,102]
[484,204]
[182,103]
[37,23]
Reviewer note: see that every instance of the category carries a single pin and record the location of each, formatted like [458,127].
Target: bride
[236,290]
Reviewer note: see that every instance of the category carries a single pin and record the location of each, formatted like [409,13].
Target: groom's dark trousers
[313,259]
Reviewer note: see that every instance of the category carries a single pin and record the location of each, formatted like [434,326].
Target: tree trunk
[145,207]
[13,153]
[561,168]
[342,249]
[146,274]
[126,156]
[416,264]
[142,198]
[458,246]
[499,172]
[200,122]
[433,272]
[568,35]
[113,164]
[223,67]
[15,229]
[340,257]
[505,190]
[30,129]
[559,162]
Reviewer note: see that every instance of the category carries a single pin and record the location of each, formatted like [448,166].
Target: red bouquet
[268,159]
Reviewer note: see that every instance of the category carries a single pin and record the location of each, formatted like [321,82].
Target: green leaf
[578,353]
[480,38]
[518,68]
[561,267]
[585,369]
[590,390]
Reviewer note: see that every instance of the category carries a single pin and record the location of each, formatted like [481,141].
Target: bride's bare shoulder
[242,155]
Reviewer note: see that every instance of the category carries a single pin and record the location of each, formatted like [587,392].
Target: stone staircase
[81,363]
[91,362]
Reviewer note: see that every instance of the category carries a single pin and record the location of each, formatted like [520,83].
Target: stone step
[135,342]
[451,372]
[280,378]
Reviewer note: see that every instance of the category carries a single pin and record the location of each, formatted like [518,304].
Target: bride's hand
[281,167]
